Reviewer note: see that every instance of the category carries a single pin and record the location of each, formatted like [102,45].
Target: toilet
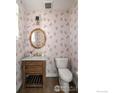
[65,75]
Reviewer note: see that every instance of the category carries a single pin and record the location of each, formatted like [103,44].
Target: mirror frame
[31,37]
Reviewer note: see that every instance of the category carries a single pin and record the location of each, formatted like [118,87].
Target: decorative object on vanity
[34,71]
[37,38]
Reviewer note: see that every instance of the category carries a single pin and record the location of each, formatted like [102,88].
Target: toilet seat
[65,74]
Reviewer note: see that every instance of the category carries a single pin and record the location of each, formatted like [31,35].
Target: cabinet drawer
[33,69]
[34,63]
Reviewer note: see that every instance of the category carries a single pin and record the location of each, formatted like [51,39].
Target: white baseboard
[51,75]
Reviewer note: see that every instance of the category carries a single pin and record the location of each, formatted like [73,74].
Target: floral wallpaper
[19,47]
[73,40]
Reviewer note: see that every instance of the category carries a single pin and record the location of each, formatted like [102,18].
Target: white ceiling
[39,4]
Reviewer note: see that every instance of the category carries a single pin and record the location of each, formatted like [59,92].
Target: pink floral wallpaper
[19,47]
[61,38]
[73,40]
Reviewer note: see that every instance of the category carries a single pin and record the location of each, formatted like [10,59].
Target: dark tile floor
[49,88]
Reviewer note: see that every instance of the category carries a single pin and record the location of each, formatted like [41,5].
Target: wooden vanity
[34,71]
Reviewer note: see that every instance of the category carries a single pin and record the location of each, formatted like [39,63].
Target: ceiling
[39,4]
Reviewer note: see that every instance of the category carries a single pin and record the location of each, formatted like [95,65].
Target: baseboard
[51,75]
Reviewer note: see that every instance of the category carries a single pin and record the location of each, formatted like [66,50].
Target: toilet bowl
[65,75]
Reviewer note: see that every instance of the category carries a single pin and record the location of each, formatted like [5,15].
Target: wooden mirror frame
[31,39]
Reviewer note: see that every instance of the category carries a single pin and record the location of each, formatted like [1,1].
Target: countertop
[35,58]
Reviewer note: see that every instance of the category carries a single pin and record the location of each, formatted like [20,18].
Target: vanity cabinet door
[36,69]
[33,67]
[34,63]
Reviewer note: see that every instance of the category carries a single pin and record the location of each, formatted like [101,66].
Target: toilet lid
[65,74]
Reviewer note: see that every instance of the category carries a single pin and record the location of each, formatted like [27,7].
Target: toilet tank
[61,62]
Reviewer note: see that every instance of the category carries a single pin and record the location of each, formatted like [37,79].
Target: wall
[19,47]
[73,50]
[56,26]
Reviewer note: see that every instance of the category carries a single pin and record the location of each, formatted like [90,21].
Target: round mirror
[37,38]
